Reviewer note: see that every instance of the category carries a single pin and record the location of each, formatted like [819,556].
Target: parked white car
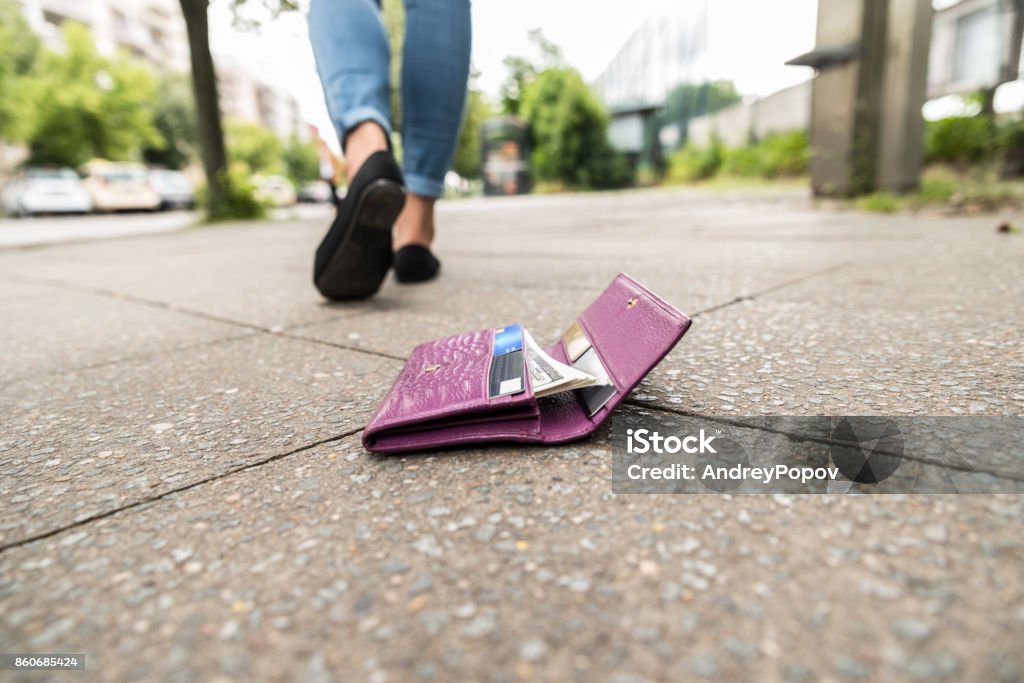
[317,192]
[119,187]
[45,190]
[274,190]
[174,187]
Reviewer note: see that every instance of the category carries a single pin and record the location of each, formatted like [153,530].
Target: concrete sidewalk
[183,494]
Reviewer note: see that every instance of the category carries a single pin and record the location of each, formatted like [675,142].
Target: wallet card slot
[445,378]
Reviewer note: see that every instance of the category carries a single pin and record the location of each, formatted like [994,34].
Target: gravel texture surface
[184,497]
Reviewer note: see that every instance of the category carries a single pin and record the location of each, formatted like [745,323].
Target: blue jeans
[353,59]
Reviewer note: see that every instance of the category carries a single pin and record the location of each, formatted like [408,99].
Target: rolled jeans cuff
[353,117]
[423,186]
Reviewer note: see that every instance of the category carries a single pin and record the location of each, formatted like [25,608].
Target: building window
[978,43]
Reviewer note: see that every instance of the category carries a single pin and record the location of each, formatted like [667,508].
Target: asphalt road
[53,229]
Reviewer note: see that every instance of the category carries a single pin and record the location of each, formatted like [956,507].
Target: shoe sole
[359,265]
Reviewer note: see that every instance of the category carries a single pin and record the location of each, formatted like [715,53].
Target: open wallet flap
[631,329]
[441,396]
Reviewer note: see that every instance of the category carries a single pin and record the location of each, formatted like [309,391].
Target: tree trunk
[208,120]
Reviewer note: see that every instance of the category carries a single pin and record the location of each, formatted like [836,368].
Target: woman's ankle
[360,143]
[415,225]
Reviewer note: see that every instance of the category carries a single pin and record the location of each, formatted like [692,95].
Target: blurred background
[892,104]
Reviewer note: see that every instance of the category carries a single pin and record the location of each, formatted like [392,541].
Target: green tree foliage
[775,156]
[467,162]
[174,116]
[961,140]
[82,105]
[569,126]
[19,49]
[239,201]
[301,161]
[259,149]
[696,162]
[522,71]
[690,100]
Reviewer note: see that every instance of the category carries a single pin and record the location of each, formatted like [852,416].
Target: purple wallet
[441,396]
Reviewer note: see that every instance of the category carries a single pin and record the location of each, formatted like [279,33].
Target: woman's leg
[353,58]
[350,45]
[435,69]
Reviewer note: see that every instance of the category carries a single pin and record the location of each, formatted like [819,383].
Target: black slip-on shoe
[355,255]
[415,263]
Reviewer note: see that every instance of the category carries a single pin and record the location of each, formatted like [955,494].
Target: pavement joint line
[174,308]
[804,437]
[773,288]
[178,489]
[130,358]
[337,345]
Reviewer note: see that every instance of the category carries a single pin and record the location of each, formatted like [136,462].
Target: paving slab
[50,329]
[84,443]
[767,357]
[519,564]
[199,514]
[925,328]
[257,275]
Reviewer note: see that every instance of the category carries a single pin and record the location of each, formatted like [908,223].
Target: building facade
[245,97]
[970,42]
[153,31]
[150,30]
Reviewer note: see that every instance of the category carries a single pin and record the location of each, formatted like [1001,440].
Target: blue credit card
[508,339]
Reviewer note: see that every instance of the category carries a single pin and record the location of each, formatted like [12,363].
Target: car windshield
[51,174]
[170,179]
[122,176]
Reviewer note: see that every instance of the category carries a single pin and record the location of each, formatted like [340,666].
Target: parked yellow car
[119,187]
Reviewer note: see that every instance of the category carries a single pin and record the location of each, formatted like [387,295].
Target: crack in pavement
[774,288]
[128,359]
[174,308]
[178,489]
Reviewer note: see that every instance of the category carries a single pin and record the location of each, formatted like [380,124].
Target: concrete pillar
[866,125]
[905,85]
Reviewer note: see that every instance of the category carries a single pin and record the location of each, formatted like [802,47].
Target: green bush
[301,161]
[240,202]
[936,190]
[961,140]
[694,162]
[879,202]
[779,155]
[742,162]
[776,156]
[784,154]
[569,126]
[607,169]
[255,146]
